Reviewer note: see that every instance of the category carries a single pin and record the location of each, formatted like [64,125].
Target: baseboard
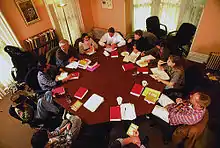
[197,57]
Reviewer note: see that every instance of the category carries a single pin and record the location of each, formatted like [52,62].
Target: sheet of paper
[128,111]
[148,57]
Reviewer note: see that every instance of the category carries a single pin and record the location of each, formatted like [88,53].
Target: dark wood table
[108,81]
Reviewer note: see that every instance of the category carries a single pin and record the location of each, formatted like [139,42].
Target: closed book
[132,129]
[76,105]
[143,70]
[137,90]
[93,102]
[151,95]
[81,92]
[115,113]
[127,67]
[74,75]
[58,91]
[114,54]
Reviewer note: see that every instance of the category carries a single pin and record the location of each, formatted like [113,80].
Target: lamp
[62,5]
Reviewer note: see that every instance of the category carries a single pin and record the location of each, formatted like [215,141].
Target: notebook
[151,95]
[115,113]
[114,54]
[143,70]
[137,90]
[128,111]
[93,102]
[76,105]
[132,128]
[80,93]
[58,91]
[127,67]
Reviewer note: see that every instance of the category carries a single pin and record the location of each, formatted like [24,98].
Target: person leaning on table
[87,44]
[112,39]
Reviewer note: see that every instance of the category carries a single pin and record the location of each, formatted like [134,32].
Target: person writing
[65,54]
[139,43]
[87,45]
[112,39]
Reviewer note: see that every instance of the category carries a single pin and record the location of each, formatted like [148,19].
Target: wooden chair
[189,134]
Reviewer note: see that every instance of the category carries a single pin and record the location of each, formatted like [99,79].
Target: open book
[132,57]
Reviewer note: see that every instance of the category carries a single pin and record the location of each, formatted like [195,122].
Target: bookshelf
[41,43]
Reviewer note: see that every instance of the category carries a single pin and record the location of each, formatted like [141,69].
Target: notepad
[128,111]
[93,102]
[132,128]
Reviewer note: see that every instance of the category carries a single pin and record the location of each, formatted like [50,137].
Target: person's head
[85,37]
[64,45]
[174,61]
[138,34]
[39,139]
[111,31]
[42,63]
[200,100]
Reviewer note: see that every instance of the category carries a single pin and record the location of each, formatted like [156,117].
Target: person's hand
[135,133]
[129,40]
[143,54]
[160,62]
[179,100]
[72,59]
[61,70]
[135,140]
[157,78]
[114,46]
[135,50]
[56,79]
[107,46]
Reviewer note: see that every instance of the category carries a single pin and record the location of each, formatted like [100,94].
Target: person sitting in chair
[175,70]
[181,112]
[139,43]
[65,54]
[87,45]
[62,136]
[112,39]
[44,79]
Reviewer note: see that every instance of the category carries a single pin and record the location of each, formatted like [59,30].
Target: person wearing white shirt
[112,39]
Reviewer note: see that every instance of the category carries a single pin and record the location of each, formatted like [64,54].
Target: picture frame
[28,11]
[107,4]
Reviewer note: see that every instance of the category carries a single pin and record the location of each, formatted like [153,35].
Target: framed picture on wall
[28,11]
[107,4]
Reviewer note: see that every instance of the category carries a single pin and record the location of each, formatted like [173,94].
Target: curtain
[73,16]
[7,37]
[172,13]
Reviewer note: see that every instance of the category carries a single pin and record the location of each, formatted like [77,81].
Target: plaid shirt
[184,114]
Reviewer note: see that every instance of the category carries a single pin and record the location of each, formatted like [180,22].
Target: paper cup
[144,83]
[119,100]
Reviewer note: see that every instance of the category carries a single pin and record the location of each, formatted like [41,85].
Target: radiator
[213,62]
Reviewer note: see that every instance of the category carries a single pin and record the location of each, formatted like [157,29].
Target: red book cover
[74,75]
[58,91]
[81,92]
[114,54]
[144,70]
[115,113]
[137,90]
[127,67]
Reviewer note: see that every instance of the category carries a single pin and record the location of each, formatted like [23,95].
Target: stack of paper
[73,65]
[128,111]
[93,102]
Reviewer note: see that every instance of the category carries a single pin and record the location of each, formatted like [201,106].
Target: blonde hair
[204,100]
[63,42]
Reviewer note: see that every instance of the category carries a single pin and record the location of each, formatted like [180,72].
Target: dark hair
[84,35]
[111,30]
[139,32]
[42,62]
[39,139]
[177,61]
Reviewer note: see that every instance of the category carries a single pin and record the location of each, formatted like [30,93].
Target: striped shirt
[184,113]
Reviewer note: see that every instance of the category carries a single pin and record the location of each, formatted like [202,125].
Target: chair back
[185,33]
[153,25]
[31,79]
[76,44]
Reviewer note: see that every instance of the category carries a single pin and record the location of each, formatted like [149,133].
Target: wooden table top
[108,81]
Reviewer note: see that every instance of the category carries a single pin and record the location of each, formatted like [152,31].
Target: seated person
[119,138]
[181,112]
[87,44]
[44,79]
[160,51]
[139,43]
[174,70]
[61,137]
[112,39]
[65,54]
